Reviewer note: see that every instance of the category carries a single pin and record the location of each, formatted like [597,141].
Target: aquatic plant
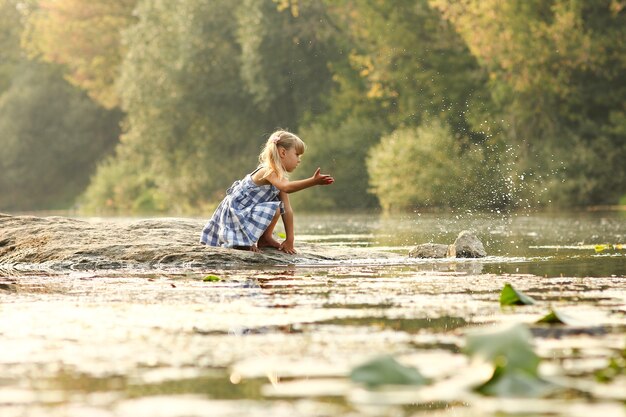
[211,278]
[515,362]
[557,317]
[385,370]
[510,296]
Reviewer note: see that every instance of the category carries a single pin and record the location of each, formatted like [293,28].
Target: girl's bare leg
[267,239]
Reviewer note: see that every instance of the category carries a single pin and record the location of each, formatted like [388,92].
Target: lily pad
[506,382]
[558,317]
[509,347]
[515,363]
[385,370]
[211,278]
[510,296]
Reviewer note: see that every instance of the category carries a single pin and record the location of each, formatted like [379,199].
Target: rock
[432,250]
[28,242]
[467,245]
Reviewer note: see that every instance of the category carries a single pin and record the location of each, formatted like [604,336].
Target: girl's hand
[322,179]
[287,247]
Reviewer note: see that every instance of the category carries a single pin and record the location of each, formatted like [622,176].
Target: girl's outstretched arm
[288,245]
[284,185]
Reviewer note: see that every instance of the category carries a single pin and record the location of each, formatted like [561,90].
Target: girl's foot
[268,242]
[252,248]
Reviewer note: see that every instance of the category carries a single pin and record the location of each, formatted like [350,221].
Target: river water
[282,340]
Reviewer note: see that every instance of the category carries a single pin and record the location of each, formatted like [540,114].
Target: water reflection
[217,385]
[573,266]
[544,244]
[411,326]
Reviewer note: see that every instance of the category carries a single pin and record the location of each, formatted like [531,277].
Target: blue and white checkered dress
[243,215]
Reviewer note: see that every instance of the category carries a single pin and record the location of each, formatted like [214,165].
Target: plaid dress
[243,215]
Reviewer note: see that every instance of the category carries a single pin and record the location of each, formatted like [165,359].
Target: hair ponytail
[269,156]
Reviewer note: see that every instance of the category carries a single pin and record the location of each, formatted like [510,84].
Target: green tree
[10,32]
[202,92]
[400,64]
[557,78]
[13,14]
[412,62]
[340,151]
[51,135]
[284,58]
[84,36]
[427,167]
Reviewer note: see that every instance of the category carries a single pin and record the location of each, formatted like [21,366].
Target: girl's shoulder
[259,176]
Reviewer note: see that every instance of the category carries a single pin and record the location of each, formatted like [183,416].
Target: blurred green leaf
[510,348]
[510,296]
[211,278]
[515,363]
[506,382]
[558,317]
[551,318]
[386,371]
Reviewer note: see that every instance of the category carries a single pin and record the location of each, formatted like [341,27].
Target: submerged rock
[68,243]
[466,245]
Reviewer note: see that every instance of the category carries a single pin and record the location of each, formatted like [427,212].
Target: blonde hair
[270,158]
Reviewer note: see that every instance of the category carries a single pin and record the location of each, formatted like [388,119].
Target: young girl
[245,219]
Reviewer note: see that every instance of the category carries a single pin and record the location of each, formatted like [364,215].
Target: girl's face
[289,158]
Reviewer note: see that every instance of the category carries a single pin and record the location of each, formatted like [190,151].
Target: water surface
[547,244]
[282,340]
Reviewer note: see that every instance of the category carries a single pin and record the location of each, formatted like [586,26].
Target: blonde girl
[245,219]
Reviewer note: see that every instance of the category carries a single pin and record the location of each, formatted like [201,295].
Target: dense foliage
[51,134]
[52,137]
[409,103]
[85,37]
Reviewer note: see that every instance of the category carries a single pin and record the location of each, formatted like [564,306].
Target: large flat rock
[70,243]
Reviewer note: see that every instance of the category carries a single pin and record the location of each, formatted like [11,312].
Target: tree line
[133,106]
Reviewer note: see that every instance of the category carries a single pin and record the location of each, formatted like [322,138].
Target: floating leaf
[211,278]
[551,318]
[515,363]
[509,347]
[558,317]
[506,382]
[510,296]
[386,371]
